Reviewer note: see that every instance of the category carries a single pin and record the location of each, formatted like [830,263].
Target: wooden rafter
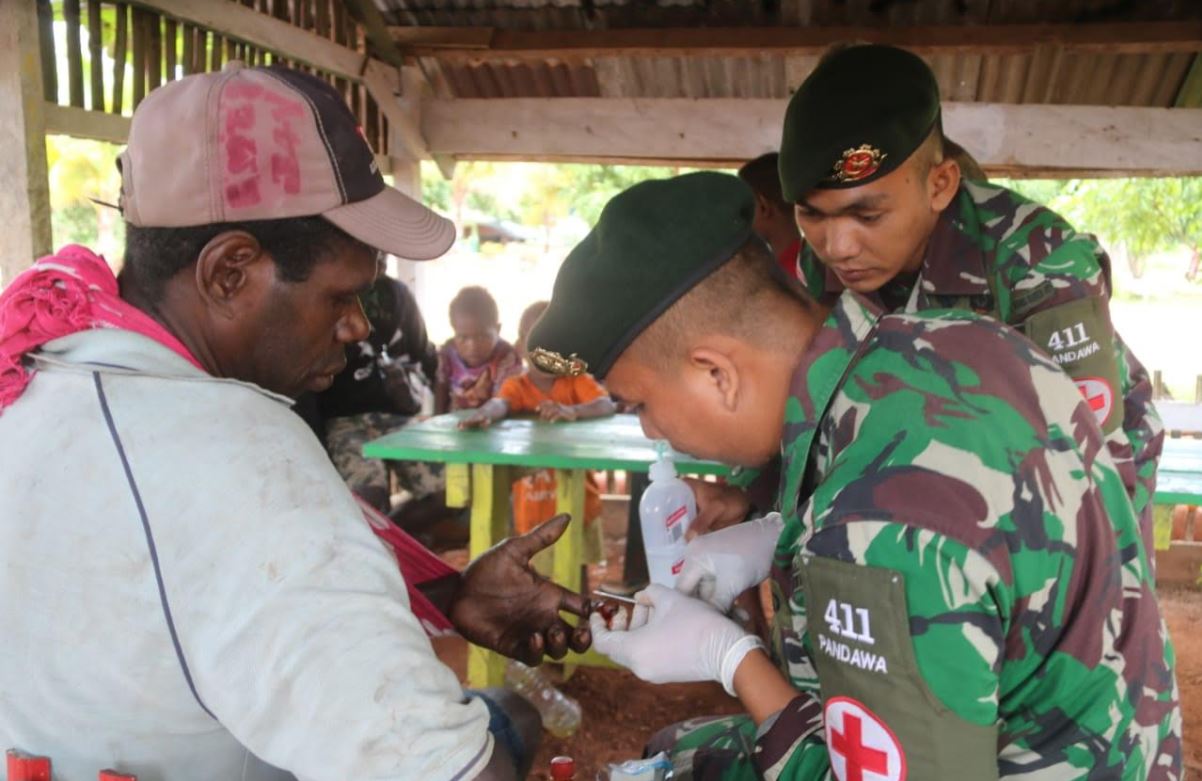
[1064,140]
[239,23]
[236,22]
[480,43]
[379,40]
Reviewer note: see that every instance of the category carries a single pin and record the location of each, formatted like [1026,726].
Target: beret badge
[857,163]
[554,363]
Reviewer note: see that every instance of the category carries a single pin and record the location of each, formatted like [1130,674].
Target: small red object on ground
[113,775]
[26,767]
[563,769]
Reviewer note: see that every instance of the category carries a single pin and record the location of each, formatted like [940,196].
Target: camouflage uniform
[345,438]
[981,603]
[994,252]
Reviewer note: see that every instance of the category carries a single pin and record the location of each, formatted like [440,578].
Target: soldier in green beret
[887,213]
[959,585]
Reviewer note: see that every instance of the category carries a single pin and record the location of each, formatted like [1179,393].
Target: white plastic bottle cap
[664,469]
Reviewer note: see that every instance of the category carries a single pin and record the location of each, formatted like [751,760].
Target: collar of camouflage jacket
[955,261]
[818,376]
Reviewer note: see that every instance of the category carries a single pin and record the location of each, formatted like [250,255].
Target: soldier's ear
[942,183]
[721,375]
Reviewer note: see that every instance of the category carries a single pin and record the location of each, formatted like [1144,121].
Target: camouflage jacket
[961,591]
[994,252]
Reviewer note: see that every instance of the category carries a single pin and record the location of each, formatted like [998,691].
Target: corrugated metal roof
[603,14]
[1045,75]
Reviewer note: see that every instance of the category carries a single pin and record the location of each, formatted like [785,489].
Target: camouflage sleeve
[1142,427]
[906,628]
[1061,303]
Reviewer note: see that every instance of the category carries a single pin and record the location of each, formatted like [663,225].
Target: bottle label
[674,525]
[677,567]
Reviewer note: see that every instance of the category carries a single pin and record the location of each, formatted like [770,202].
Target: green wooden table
[1178,481]
[480,472]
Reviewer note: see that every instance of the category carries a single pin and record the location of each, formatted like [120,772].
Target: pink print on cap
[259,142]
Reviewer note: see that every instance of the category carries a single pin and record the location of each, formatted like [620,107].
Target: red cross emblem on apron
[861,746]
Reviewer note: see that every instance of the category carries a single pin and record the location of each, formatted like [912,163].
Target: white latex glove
[721,565]
[672,638]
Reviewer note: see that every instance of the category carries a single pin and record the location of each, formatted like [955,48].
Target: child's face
[474,339]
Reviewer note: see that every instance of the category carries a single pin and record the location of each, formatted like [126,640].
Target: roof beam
[397,92]
[82,123]
[234,20]
[482,43]
[382,45]
[1015,139]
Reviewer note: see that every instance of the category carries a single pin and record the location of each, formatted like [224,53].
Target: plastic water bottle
[560,713]
[666,510]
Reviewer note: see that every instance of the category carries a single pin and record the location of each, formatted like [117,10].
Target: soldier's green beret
[652,243]
[858,116]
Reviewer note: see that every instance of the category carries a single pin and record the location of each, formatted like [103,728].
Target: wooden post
[407,177]
[25,197]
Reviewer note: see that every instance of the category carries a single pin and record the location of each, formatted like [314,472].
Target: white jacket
[171,543]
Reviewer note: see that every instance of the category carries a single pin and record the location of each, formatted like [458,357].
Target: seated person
[379,391]
[473,364]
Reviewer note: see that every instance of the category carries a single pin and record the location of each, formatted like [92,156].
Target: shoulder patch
[1079,337]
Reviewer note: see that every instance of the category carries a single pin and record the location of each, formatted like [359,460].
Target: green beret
[652,243]
[857,117]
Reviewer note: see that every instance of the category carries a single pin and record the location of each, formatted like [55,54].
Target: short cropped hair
[969,167]
[475,301]
[930,151]
[763,177]
[155,255]
[738,300]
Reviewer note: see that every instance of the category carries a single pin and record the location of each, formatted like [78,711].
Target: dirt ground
[1182,609]
[620,712]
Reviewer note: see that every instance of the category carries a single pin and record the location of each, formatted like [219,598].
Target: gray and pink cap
[264,144]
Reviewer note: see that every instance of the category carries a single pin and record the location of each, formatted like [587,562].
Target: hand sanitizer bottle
[665,512]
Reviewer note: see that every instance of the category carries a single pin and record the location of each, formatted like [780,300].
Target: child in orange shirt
[553,398]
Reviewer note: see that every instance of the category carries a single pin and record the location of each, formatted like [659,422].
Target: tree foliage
[1145,216]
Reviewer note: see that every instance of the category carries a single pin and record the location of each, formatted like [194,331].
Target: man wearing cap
[887,213]
[959,585]
[190,592]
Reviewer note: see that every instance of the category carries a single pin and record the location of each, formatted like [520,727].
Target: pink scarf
[74,291]
[59,295]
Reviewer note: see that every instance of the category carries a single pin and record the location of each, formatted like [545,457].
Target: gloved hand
[672,638]
[721,565]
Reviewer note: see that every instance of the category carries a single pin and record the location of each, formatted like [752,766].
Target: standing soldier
[885,213]
[959,583]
